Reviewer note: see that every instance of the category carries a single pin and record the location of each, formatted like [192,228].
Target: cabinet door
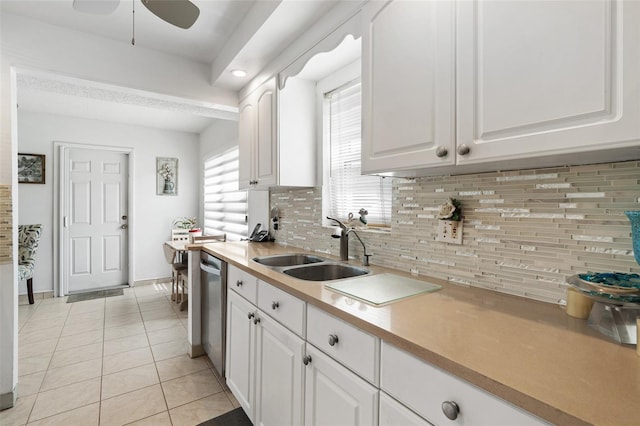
[279,372]
[334,396]
[246,140]
[265,154]
[547,77]
[408,85]
[392,413]
[240,365]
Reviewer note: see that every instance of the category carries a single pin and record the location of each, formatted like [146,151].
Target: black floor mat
[235,417]
[79,297]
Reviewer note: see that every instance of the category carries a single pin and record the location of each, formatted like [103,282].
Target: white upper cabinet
[277,136]
[408,81]
[542,78]
[257,138]
[471,86]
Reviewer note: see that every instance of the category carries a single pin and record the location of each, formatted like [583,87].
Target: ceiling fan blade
[96,7]
[181,13]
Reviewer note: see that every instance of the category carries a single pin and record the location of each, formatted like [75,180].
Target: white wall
[151,216]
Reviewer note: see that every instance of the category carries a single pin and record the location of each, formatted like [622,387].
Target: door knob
[450,410]
[463,149]
[306,360]
[333,339]
[441,151]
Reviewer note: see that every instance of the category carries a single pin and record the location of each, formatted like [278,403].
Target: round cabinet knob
[450,409]
[251,315]
[463,149]
[333,339]
[275,305]
[441,151]
[306,359]
[256,320]
[239,283]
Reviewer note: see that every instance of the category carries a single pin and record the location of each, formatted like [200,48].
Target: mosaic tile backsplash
[5,224]
[524,231]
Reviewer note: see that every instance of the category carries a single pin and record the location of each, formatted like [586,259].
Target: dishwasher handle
[209,269]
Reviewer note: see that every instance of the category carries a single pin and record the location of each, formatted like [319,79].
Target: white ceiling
[228,34]
[201,42]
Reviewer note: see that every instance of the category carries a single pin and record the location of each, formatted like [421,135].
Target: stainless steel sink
[294,259]
[325,272]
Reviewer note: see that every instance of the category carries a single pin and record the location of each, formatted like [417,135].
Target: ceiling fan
[181,13]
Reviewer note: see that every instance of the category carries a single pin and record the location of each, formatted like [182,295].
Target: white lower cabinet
[279,374]
[392,413]
[334,396]
[240,362]
[341,375]
[441,398]
[264,368]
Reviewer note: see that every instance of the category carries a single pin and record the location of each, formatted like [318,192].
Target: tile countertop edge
[240,255]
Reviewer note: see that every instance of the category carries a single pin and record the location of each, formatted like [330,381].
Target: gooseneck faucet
[344,242]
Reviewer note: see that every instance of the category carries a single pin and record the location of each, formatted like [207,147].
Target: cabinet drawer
[281,306]
[242,283]
[423,388]
[356,349]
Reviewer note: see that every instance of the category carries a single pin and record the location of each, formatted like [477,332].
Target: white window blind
[349,190]
[225,207]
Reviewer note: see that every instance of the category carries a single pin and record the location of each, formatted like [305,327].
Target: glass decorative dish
[612,282]
[631,300]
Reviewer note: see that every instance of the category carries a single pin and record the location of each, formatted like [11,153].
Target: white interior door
[95,233]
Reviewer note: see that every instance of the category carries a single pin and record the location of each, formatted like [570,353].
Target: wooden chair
[178,273]
[28,241]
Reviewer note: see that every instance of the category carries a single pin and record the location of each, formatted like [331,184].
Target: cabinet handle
[306,359]
[275,305]
[256,321]
[333,339]
[251,315]
[441,151]
[463,149]
[450,409]
[239,283]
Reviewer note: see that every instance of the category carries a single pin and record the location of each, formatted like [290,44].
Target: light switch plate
[449,231]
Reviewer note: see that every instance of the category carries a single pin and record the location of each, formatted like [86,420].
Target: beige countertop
[529,353]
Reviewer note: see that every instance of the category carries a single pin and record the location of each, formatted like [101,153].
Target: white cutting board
[382,289]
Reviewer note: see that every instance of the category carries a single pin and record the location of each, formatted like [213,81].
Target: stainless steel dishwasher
[213,272]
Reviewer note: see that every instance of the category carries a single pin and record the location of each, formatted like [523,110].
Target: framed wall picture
[31,168]
[166,176]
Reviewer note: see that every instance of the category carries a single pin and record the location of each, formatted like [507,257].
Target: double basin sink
[309,267]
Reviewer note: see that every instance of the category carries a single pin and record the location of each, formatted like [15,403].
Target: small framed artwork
[166,176]
[31,168]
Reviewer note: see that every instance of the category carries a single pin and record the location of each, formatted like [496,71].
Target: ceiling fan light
[239,73]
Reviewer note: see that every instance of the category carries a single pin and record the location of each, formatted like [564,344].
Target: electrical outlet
[449,231]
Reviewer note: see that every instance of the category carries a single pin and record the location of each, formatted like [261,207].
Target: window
[225,207]
[348,190]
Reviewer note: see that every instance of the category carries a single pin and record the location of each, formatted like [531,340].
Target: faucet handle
[339,223]
[365,259]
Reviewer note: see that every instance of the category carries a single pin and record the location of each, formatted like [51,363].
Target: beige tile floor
[112,361]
